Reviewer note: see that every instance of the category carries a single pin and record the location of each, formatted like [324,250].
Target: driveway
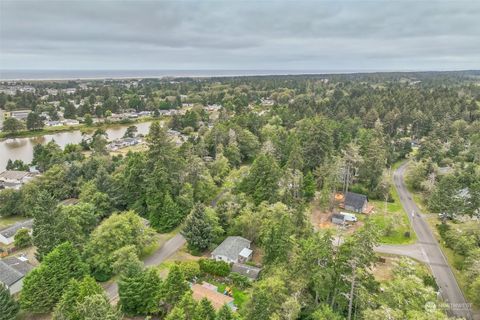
[159,256]
[430,249]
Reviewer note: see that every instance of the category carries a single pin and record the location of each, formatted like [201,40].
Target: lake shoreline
[82,127]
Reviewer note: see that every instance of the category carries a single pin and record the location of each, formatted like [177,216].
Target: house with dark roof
[355,202]
[12,272]
[251,272]
[7,235]
[233,250]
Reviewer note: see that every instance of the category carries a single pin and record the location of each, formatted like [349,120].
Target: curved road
[431,252]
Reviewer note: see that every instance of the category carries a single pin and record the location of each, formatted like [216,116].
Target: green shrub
[216,268]
[190,269]
[22,239]
[239,280]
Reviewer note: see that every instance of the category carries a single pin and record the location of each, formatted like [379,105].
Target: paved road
[162,253]
[431,251]
[165,251]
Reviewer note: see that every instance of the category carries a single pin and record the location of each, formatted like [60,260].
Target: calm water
[102,74]
[22,148]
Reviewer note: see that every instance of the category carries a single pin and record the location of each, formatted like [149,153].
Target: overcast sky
[286,35]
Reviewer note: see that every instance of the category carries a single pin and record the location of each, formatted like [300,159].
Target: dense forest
[254,168]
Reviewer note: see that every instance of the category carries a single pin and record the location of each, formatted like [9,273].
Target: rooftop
[13,269]
[355,200]
[12,230]
[246,270]
[14,175]
[231,247]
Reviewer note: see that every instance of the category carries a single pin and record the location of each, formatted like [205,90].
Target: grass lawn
[239,296]
[394,217]
[8,221]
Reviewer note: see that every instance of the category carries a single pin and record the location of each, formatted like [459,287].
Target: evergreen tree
[8,306]
[198,230]
[166,215]
[189,306]
[262,182]
[309,186]
[97,307]
[73,296]
[225,313]
[205,310]
[174,288]
[139,292]
[43,287]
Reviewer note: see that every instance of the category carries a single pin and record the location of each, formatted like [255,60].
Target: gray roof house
[233,250]
[13,179]
[250,272]
[12,272]
[355,202]
[7,235]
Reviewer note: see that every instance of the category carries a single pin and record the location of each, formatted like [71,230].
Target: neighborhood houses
[12,272]
[13,179]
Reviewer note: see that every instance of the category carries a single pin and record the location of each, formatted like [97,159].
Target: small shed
[251,272]
[355,202]
[217,299]
[338,219]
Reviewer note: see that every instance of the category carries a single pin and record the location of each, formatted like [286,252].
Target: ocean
[118,74]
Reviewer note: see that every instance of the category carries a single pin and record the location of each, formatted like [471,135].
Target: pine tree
[225,313]
[75,295]
[139,292]
[174,288]
[205,310]
[97,307]
[198,230]
[176,314]
[188,305]
[43,287]
[309,186]
[167,216]
[8,306]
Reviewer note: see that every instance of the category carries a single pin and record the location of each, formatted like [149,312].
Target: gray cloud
[316,35]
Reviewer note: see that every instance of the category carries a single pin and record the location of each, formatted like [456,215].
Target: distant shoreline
[86,75]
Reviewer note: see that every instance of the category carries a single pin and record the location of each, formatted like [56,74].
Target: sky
[380,35]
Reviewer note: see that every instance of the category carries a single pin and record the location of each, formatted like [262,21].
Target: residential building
[13,179]
[7,235]
[12,272]
[355,202]
[17,114]
[251,272]
[233,250]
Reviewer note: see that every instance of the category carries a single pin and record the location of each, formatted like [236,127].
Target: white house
[233,250]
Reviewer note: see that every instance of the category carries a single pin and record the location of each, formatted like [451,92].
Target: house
[355,202]
[233,250]
[338,219]
[12,272]
[210,292]
[250,272]
[13,179]
[7,235]
[71,122]
[17,114]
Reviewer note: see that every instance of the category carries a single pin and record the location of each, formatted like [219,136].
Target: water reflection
[22,148]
